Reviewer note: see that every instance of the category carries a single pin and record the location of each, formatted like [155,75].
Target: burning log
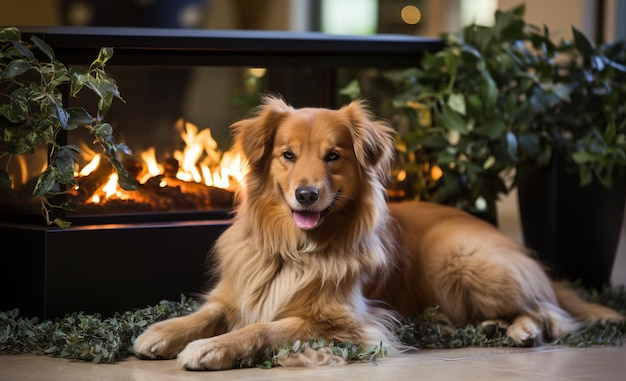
[194,195]
[89,184]
[200,178]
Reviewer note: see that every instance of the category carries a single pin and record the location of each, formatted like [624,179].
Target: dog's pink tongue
[306,220]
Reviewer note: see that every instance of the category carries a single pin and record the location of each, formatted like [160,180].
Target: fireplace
[185,87]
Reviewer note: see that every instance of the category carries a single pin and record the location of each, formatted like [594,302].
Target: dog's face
[313,162]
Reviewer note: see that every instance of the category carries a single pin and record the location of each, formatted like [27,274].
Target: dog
[316,251]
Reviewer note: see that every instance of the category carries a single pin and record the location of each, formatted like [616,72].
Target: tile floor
[543,363]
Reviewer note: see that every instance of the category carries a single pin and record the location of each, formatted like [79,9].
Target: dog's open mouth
[308,219]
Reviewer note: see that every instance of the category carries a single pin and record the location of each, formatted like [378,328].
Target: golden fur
[314,244]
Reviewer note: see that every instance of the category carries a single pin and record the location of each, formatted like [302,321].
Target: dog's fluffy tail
[562,312]
[558,322]
[570,312]
[581,309]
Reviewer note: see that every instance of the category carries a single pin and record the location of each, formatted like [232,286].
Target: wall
[29,13]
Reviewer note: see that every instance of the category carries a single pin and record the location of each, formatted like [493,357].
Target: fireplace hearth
[127,251]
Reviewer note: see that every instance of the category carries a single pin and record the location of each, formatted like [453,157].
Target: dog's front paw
[157,343]
[206,354]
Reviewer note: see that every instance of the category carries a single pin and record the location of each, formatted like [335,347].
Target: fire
[92,166]
[199,162]
[231,167]
[152,166]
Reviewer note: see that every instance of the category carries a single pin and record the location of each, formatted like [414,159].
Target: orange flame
[200,161]
[92,166]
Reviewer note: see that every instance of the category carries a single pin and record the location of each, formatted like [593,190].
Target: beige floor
[543,363]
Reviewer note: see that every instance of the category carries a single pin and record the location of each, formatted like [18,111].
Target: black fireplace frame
[114,266]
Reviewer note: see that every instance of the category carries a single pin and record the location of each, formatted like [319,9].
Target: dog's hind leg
[525,331]
[501,283]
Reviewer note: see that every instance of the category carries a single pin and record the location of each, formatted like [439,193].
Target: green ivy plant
[33,114]
[92,337]
[496,97]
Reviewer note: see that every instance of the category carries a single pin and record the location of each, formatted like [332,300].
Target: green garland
[82,336]
[106,340]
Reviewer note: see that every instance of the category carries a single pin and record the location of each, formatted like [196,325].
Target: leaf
[45,182]
[77,116]
[95,87]
[123,148]
[524,116]
[16,67]
[62,115]
[491,160]
[104,104]
[446,157]
[64,161]
[19,103]
[43,46]
[469,49]
[78,78]
[582,157]
[63,224]
[296,346]
[23,50]
[450,59]
[451,119]
[493,128]
[5,180]
[103,129]
[10,34]
[433,141]
[583,45]
[124,179]
[474,104]
[104,55]
[529,144]
[511,145]
[615,65]
[457,103]
[69,205]
[352,90]
[562,91]
[610,132]
[488,91]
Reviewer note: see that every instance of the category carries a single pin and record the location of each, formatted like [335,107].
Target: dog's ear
[254,136]
[373,139]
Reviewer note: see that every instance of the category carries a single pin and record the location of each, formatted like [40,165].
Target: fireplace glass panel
[175,120]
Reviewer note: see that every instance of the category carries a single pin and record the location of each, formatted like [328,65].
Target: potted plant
[458,109]
[572,198]
[501,102]
[34,114]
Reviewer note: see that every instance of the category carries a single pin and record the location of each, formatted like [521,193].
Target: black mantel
[159,46]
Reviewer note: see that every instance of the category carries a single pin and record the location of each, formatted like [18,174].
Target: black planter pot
[574,230]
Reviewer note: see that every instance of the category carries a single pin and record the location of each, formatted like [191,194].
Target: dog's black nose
[307,195]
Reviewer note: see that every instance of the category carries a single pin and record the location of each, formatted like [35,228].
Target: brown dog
[314,243]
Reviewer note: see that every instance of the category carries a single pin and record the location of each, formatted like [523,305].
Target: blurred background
[598,19]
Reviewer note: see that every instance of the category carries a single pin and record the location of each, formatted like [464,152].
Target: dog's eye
[289,155]
[331,156]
